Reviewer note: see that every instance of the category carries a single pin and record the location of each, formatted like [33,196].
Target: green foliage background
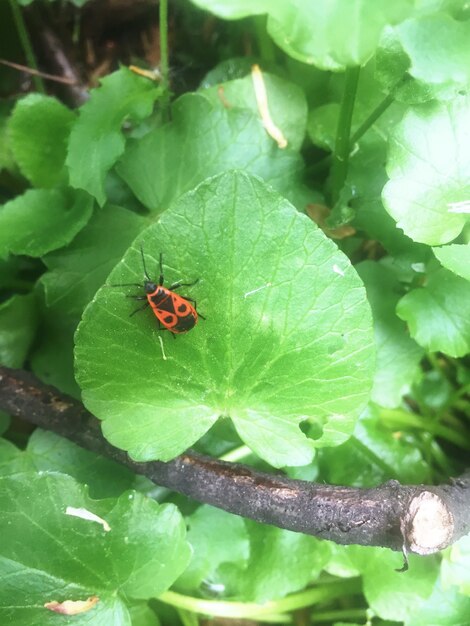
[335,352]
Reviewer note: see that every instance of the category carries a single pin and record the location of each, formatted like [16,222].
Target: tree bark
[420,519]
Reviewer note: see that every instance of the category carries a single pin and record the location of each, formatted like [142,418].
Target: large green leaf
[456,566]
[203,140]
[432,52]
[444,607]
[42,220]
[332,34]
[455,258]
[437,314]
[97,141]
[429,170]
[438,49]
[391,594]
[39,128]
[73,558]
[287,338]
[241,559]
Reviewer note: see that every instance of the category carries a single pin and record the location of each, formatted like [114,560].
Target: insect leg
[141,308]
[178,285]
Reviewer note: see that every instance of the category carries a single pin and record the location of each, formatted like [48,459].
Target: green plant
[334,351]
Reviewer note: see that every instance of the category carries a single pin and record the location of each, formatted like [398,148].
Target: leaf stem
[339,168]
[397,417]
[220,608]
[164,67]
[373,117]
[236,454]
[321,165]
[340,616]
[26,44]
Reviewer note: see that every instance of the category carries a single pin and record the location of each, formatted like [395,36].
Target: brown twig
[29,70]
[420,519]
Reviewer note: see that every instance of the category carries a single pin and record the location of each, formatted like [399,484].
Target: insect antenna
[143,263]
[160,281]
[126,285]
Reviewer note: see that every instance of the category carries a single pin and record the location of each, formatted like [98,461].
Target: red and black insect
[175,313]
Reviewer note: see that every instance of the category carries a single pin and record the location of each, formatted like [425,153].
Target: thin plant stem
[236,454]
[164,66]
[339,169]
[340,615]
[321,165]
[221,608]
[401,419]
[373,117]
[26,44]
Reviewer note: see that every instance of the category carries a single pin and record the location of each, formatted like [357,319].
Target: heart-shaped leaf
[288,335]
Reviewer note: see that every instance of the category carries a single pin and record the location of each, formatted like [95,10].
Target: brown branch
[33,72]
[420,519]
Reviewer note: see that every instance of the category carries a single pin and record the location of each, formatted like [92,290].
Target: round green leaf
[332,34]
[39,128]
[437,314]
[392,594]
[425,58]
[456,566]
[42,220]
[455,258]
[444,607]
[429,170]
[288,334]
[137,550]
[437,46]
